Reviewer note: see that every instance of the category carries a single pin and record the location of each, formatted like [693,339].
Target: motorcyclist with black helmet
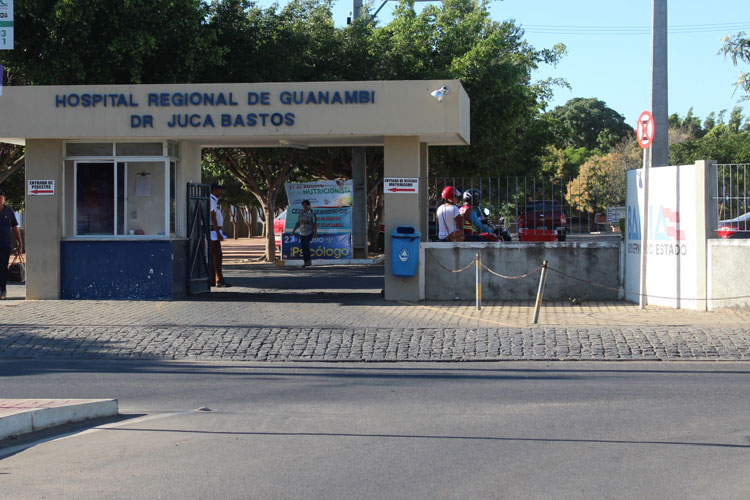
[474,229]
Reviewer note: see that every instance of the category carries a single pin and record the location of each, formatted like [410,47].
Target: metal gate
[199,227]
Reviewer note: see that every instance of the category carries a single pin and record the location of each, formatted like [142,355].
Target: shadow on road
[434,437]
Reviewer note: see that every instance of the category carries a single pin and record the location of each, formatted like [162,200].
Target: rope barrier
[511,277]
[639,294]
[457,270]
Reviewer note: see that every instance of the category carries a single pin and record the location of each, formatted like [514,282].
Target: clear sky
[609,49]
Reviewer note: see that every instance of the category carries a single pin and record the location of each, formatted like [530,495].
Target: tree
[63,42]
[723,143]
[12,158]
[737,47]
[458,40]
[602,181]
[589,123]
[262,173]
[564,163]
[12,161]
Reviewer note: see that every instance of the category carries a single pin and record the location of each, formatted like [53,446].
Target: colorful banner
[321,194]
[330,200]
[327,246]
[332,203]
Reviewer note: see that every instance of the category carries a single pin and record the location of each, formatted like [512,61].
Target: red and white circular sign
[645,128]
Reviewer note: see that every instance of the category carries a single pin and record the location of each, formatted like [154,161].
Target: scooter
[498,230]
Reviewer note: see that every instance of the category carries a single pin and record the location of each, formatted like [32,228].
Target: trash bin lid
[405,232]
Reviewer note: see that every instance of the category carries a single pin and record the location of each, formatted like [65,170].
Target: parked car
[544,215]
[278,228]
[736,228]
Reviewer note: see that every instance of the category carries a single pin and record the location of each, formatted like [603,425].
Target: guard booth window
[127,194]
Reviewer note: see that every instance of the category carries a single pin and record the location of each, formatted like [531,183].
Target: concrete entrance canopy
[77,136]
[262,114]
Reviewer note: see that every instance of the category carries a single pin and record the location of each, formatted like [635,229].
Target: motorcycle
[499,232]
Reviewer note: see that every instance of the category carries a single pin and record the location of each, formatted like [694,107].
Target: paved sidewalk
[337,314]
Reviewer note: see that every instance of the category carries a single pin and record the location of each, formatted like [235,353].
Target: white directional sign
[399,185]
[6,24]
[42,188]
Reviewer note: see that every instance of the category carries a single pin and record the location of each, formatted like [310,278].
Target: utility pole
[659,85]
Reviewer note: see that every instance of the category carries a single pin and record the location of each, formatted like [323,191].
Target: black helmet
[472,196]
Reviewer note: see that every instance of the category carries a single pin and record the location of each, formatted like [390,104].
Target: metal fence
[732,199]
[584,204]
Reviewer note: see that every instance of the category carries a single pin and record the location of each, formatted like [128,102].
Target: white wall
[729,273]
[677,235]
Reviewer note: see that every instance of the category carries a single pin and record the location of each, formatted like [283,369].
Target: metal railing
[583,204]
[732,199]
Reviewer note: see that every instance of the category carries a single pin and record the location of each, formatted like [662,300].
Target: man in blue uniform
[8,227]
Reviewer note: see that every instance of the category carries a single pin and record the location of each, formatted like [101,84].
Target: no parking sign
[644,130]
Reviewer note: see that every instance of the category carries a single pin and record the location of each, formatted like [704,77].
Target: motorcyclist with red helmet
[450,222]
[474,229]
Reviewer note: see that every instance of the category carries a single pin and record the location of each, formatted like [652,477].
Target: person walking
[217,236]
[8,227]
[307,222]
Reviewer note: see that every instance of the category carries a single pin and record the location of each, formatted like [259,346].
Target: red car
[544,215]
[278,228]
[739,227]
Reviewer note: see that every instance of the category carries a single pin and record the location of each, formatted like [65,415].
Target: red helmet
[450,192]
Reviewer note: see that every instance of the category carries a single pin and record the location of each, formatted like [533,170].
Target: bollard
[540,292]
[478,260]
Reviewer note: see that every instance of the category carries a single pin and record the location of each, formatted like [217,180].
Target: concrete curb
[25,420]
[331,262]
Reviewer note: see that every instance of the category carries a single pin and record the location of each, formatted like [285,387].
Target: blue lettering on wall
[634,223]
[87,100]
[181,99]
[254,119]
[138,121]
[262,98]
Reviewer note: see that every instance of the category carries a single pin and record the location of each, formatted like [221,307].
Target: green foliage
[723,143]
[602,179]
[737,47]
[69,42]
[589,123]
[458,40]
[564,163]
[12,174]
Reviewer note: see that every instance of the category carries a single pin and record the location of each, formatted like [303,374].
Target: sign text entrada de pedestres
[223,101]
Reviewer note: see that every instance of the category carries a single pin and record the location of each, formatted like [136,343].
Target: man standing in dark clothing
[8,226]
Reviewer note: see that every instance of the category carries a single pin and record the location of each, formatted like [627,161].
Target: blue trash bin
[404,251]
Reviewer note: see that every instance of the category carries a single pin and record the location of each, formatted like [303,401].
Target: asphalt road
[560,430]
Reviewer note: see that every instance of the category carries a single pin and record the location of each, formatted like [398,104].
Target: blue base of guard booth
[123,269]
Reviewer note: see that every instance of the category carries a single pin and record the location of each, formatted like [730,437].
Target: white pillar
[43,220]
[403,157]
[704,221]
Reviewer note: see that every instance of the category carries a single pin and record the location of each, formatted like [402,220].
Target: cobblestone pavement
[338,315]
[374,344]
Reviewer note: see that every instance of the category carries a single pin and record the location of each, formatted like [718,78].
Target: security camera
[440,93]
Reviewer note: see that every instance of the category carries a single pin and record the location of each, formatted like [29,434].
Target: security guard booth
[116,162]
